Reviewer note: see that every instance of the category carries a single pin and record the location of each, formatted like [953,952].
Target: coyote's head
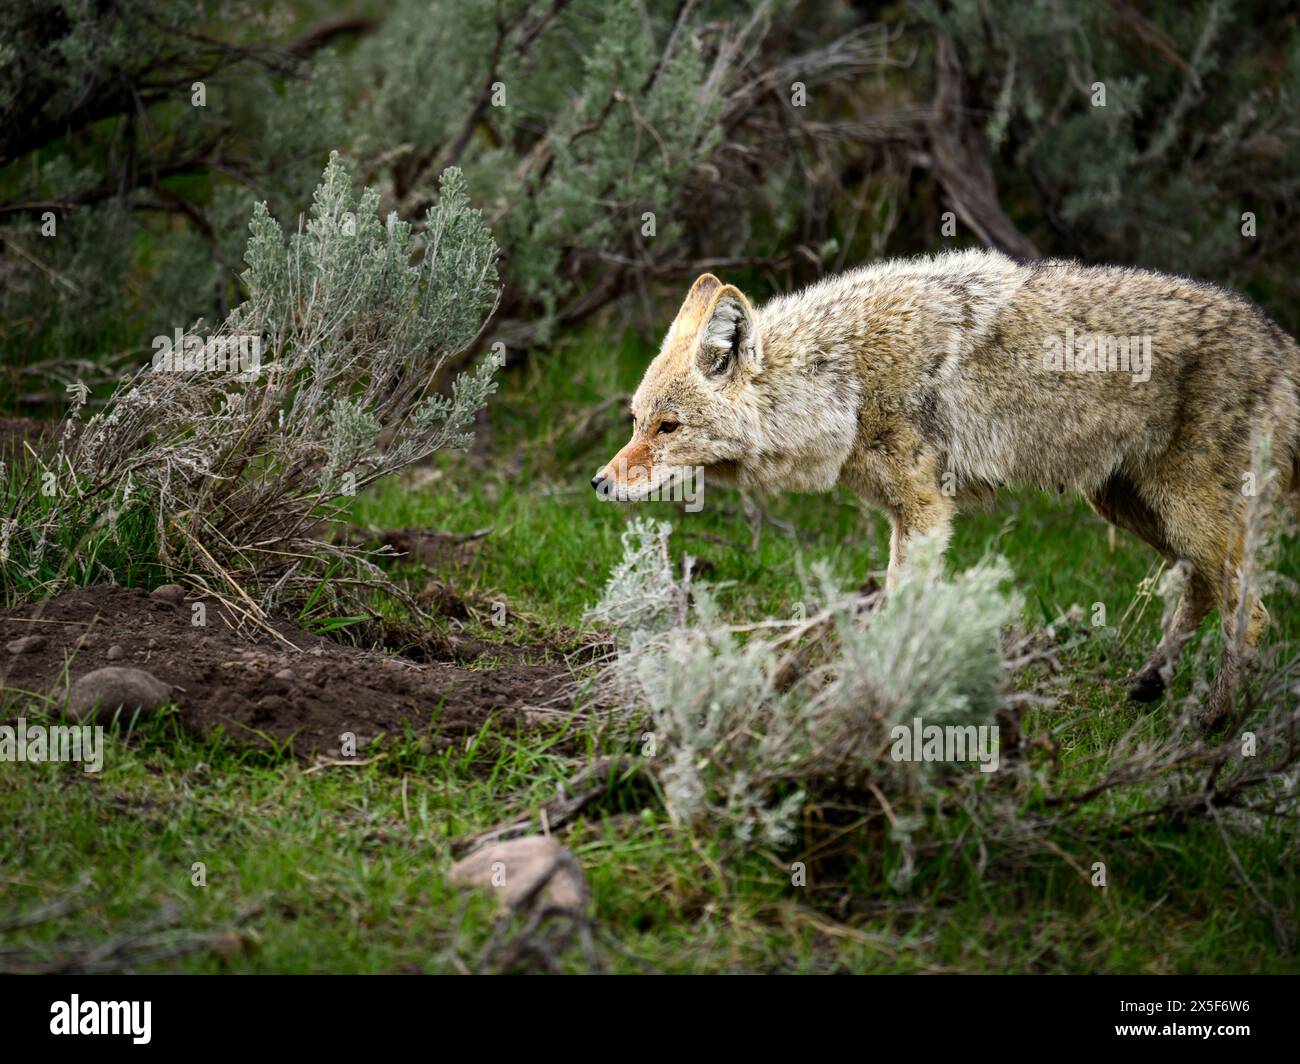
[696,407]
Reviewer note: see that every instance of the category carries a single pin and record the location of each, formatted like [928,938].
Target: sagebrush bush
[743,729]
[239,474]
[932,650]
[750,725]
[641,594]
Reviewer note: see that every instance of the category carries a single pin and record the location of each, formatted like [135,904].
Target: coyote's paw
[1215,709]
[1146,686]
[871,594]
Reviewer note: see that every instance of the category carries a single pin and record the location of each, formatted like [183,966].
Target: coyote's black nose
[598,481]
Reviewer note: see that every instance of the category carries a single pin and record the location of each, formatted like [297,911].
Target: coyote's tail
[1291,419]
[1293,489]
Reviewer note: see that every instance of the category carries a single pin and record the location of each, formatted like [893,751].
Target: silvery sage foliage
[241,473]
[932,650]
[641,594]
[740,738]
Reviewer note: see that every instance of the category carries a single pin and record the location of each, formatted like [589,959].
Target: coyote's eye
[667,426]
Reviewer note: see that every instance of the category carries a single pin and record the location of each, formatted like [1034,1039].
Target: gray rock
[173,593]
[285,674]
[28,644]
[97,695]
[514,869]
[116,653]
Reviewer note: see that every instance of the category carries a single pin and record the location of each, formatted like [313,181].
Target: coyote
[923,385]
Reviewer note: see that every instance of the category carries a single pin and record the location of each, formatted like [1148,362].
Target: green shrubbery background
[574,119]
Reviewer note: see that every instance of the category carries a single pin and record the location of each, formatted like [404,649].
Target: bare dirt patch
[302,690]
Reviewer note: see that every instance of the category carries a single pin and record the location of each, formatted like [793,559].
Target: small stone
[227,945]
[515,868]
[285,674]
[173,593]
[28,644]
[98,695]
[116,653]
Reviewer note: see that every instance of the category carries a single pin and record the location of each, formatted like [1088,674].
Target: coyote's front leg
[922,508]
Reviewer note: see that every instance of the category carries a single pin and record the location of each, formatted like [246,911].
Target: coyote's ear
[729,338]
[695,307]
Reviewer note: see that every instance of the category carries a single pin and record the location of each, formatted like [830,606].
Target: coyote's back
[1051,374]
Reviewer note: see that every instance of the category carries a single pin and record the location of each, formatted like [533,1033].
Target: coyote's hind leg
[1120,503]
[1150,681]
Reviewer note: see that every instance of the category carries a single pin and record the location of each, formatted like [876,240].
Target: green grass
[83,549]
[344,869]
